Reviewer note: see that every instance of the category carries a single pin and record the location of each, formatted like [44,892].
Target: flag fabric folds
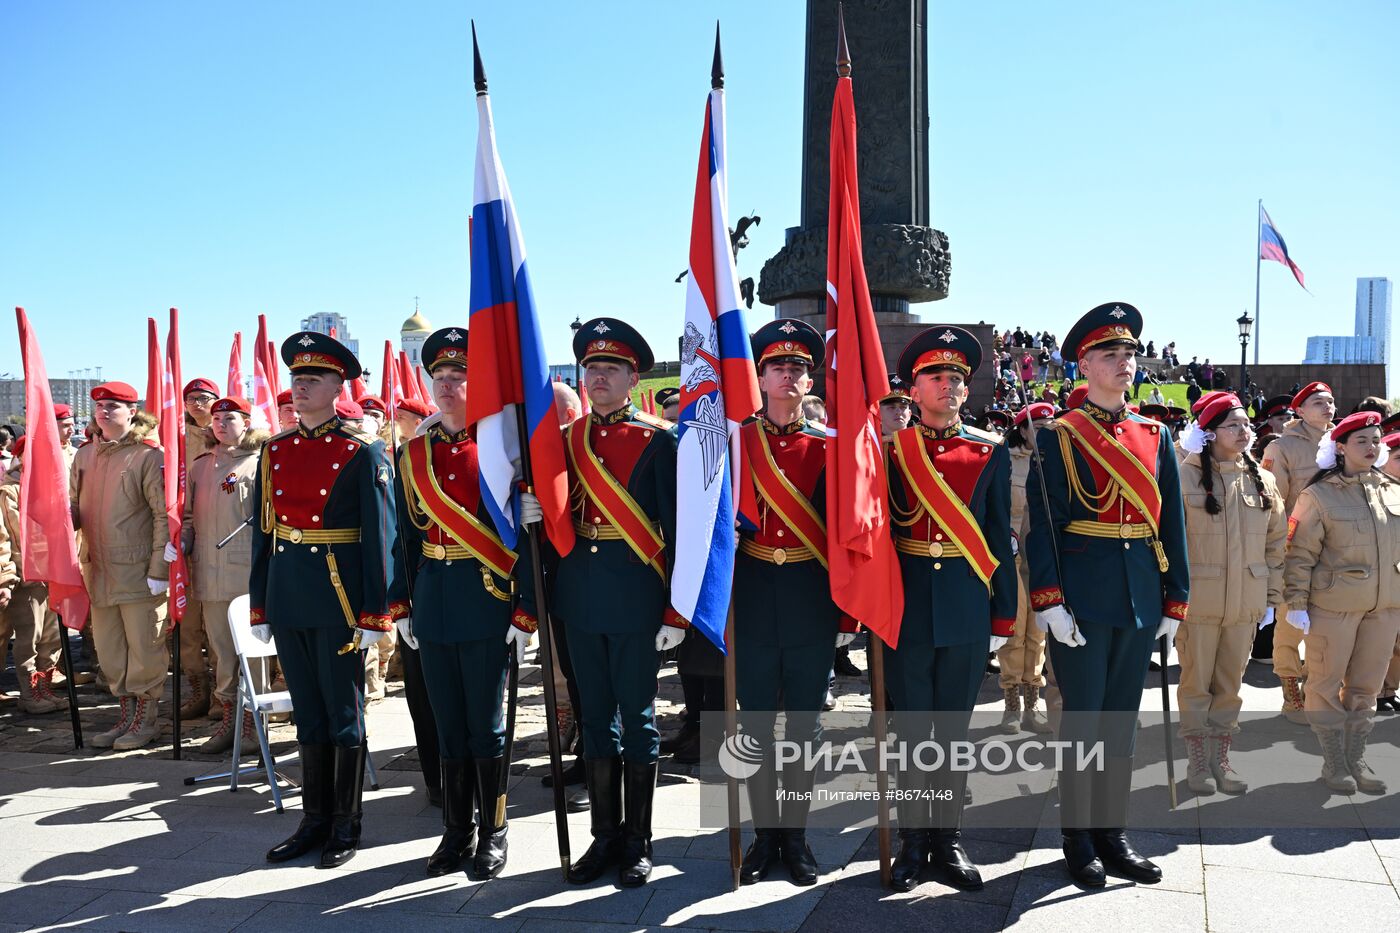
[1272,247]
[155,372]
[865,577]
[506,362]
[49,548]
[389,381]
[264,379]
[235,367]
[719,390]
[172,442]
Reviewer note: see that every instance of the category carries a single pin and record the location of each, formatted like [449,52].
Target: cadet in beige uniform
[25,613]
[1342,589]
[199,394]
[218,502]
[117,488]
[1235,536]
[1292,458]
[1023,655]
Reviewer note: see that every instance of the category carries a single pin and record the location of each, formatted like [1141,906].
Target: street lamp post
[576,326]
[1245,322]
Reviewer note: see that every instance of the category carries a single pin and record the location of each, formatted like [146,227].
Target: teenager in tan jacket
[219,500]
[1235,535]
[1342,589]
[1292,458]
[117,488]
[199,395]
[27,612]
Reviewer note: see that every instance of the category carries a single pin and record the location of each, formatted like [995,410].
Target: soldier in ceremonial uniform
[1023,656]
[895,407]
[668,402]
[454,605]
[786,627]
[950,508]
[320,582]
[1108,577]
[287,417]
[613,595]
[1292,458]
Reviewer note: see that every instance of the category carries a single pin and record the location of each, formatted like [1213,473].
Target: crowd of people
[1064,535]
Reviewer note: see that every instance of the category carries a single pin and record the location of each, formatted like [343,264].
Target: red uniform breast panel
[961,460]
[800,457]
[303,472]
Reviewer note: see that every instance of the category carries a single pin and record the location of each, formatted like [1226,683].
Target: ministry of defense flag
[506,362]
[718,391]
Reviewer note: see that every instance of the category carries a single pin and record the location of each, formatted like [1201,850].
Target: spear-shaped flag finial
[717,69]
[478,69]
[843,52]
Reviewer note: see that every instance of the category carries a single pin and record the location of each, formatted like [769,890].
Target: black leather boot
[605,791]
[945,839]
[316,784]
[1112,786]
[1081,860]
[797,803]
[458,818]
[490,855]
[762,789]
[639,789]
[344,839]
[913,856]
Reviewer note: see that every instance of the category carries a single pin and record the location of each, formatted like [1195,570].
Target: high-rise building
[332,325]
[1373,316]
[1347,350]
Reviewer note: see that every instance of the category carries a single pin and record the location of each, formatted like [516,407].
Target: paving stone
[1241,899]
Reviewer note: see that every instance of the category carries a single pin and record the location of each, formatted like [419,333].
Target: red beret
[348,410]
[116,392]
[62,412]
[1308,391]
[1205,400]
[413,406]
[1036,411]
[1355,422]
[232,403]
[284,397]
[17,448]
[372,403]
[1077,396]
[1215,410]
[1390,440]
[200,384]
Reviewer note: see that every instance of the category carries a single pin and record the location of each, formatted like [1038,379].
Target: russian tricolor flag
[718,391]
[505,360]
[1271,245]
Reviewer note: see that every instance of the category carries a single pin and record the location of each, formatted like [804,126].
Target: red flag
[235,366]
[274,374]
[46,540]
[155,372]
[865,577]
[389,382]
[264,391]
[358,389]
[583,401]
[423,394]
[407,383]
[172,442]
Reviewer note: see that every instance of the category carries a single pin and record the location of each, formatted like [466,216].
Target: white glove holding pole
[171,554]
[530,511]
[1268,619]
[517,639]
[405,627]
[263,632]
[1057,621]
[844,638]
[998,641]
[157,587]
[669,637]
[1298,618]
[369,636]
[1168,627]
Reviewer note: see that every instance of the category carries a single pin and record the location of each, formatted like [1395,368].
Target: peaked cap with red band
[1105,326]
[445,347]
[310,350]
[607,338]
[943,346]
[787,339]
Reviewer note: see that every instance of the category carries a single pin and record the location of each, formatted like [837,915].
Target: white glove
[171,555]
[1015,546]
[369,636]
[1298,618]
[530,511]
[518,639]
[1168,627]
[1057,621]
[405,627]
[669,637]
[1268,619]
[263,632]
[844,638]
[998,641]
[157,587]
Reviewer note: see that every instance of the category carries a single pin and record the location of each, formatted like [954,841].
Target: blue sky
[315,156]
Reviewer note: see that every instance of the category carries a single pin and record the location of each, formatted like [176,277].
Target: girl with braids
[1236,533]
[1342,591]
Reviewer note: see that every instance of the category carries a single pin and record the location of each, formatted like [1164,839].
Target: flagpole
[551,719]
[1259,233]
[882,779]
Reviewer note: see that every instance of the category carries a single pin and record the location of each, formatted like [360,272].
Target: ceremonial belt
[464,528]
[451,552]
[613,500]
[937,549]
[777,555]
[597,531]
[782,496]
[1124,531]
[943,505]
[316,535]
[1137,484]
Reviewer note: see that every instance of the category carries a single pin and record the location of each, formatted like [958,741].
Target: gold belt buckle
[592,532]
[935,549]
[779,556]
[439,552]
[294,536]
[1125,531]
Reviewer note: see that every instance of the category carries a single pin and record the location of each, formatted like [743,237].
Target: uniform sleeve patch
[1292,526]
[1047,597]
